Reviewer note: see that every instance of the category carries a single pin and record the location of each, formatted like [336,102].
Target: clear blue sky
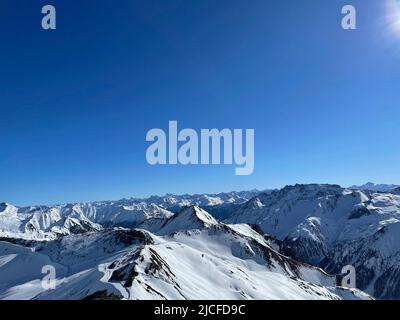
[76,103]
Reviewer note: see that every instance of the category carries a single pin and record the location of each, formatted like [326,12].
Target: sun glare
[393,15]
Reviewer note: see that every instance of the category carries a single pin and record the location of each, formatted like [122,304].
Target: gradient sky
[76,103]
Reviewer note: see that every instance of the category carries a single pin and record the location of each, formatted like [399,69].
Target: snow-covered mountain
[161,248]
[375,187]
[192,256]
[221,205]
[396,191]
[330,226]
[50,222]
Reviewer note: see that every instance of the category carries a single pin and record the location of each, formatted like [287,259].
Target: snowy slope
[330,226]
[189,218]
[376,259]
[194,256]
[21,271]
[322,225]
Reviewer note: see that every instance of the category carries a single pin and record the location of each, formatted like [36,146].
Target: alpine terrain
[281,244]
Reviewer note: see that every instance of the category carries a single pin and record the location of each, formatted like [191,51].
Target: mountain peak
[189,218]
[6,207]
[203,215]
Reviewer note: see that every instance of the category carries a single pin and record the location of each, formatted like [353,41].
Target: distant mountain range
[375,187]
[50,222]
[279,244]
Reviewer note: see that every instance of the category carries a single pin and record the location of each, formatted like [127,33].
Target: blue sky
[76,103]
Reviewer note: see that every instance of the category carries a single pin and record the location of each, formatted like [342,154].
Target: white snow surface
[138,249]
[194,256]
[332,226]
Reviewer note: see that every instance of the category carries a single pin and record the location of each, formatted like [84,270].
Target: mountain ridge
[320,224]
[318,228]
[211,260]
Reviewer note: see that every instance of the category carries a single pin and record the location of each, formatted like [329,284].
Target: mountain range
[277,244]
[375,187]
